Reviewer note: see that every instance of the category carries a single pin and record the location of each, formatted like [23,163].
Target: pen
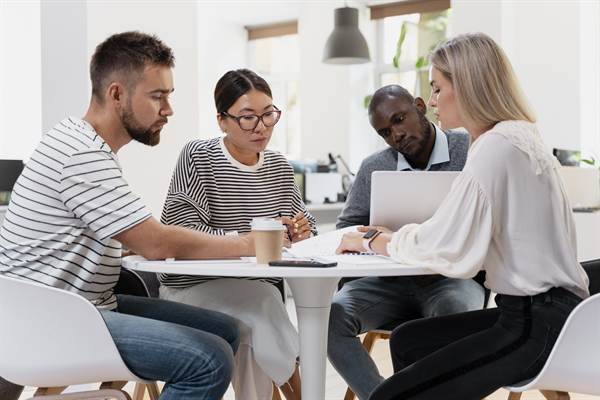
[287,229]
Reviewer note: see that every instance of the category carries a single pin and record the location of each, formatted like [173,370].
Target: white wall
[589,78]
[333,118]
[544,42]
[20,78]
[63,52]
[148,170]
[221,47]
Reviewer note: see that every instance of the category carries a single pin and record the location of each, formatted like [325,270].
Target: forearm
[154,240]
[182,243]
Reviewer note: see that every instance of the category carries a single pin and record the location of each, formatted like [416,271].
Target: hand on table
[352,242]
[383,229]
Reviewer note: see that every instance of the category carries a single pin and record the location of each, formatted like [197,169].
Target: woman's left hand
[351,242]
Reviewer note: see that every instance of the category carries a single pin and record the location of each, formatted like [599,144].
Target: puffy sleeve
[455,241]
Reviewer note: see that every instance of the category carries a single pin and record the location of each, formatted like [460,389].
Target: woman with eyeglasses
[218,186]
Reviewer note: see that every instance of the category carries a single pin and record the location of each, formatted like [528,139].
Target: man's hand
[127,253]
[351,242]
[298,227]
[383,229]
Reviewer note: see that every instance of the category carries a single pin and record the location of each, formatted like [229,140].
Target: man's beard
[148,136]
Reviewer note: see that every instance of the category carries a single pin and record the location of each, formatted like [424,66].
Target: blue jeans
[371,303]
[188,348]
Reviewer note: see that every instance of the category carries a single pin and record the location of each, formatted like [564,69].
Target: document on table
[324,246]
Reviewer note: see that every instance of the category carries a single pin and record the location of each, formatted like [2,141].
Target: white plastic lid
[266,224]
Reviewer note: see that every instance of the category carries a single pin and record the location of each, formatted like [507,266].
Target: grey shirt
[358,205]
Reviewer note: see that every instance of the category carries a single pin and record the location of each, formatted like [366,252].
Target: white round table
[312,288]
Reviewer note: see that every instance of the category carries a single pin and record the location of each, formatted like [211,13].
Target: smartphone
[303,263]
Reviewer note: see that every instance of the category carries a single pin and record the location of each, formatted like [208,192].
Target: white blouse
[507,213]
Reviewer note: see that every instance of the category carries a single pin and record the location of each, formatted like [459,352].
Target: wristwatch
[368,237]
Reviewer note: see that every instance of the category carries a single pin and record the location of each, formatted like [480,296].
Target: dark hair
[393,91]
[128,53]
[235,84]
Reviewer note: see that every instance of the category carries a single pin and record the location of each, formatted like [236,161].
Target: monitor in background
[403,197]
[9,172]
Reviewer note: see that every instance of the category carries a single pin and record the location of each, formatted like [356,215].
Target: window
[405,34]
[276,58]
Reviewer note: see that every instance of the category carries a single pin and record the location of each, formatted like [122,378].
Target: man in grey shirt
[369,303]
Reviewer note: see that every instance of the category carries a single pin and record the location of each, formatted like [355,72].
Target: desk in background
[326,215]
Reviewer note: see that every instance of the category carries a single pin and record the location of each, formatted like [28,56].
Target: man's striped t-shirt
[214,193]
[66,206]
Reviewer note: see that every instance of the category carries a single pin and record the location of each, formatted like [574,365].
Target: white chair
[573,363]
[51,339]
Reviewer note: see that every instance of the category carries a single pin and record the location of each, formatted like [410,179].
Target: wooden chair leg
[102,394]
[139,391]
[153,391]
[276,395]
[368,343]
[514,396]
[49,391]
[349,394]
[555,395]
[117,385]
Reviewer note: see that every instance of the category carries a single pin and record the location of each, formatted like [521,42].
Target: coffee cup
[268,239]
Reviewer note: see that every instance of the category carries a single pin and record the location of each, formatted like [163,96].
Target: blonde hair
[486,88]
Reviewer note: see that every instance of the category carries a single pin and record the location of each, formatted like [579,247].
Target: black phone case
[302,263]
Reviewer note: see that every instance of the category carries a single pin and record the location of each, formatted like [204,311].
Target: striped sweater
[214,193]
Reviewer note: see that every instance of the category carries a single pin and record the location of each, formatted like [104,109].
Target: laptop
[403,197]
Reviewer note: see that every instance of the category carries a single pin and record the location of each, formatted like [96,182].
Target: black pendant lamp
[346,45]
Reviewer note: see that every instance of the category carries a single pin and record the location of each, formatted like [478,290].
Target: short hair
[127,53]
[235,84]
[486,87]
[393,91]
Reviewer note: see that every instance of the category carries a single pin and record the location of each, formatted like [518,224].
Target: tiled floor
[336,387]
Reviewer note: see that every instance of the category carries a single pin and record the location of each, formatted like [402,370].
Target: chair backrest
[592,268]
[131,283]
[573,363]
[51,337]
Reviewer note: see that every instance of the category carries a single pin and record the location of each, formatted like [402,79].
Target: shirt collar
[236,163]
[440,153]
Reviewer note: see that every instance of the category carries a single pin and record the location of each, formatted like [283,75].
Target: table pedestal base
[312,297]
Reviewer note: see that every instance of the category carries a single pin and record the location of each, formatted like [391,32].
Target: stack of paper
[324,246]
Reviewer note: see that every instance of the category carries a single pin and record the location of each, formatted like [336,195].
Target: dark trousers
[469,355]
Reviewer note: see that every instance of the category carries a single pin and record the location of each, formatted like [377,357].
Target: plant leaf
[367,100]
[588,161]
[421,62]
[396,59]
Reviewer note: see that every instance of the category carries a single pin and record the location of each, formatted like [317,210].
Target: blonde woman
[507,212]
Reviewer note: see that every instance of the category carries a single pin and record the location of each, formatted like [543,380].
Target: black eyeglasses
[250,122]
